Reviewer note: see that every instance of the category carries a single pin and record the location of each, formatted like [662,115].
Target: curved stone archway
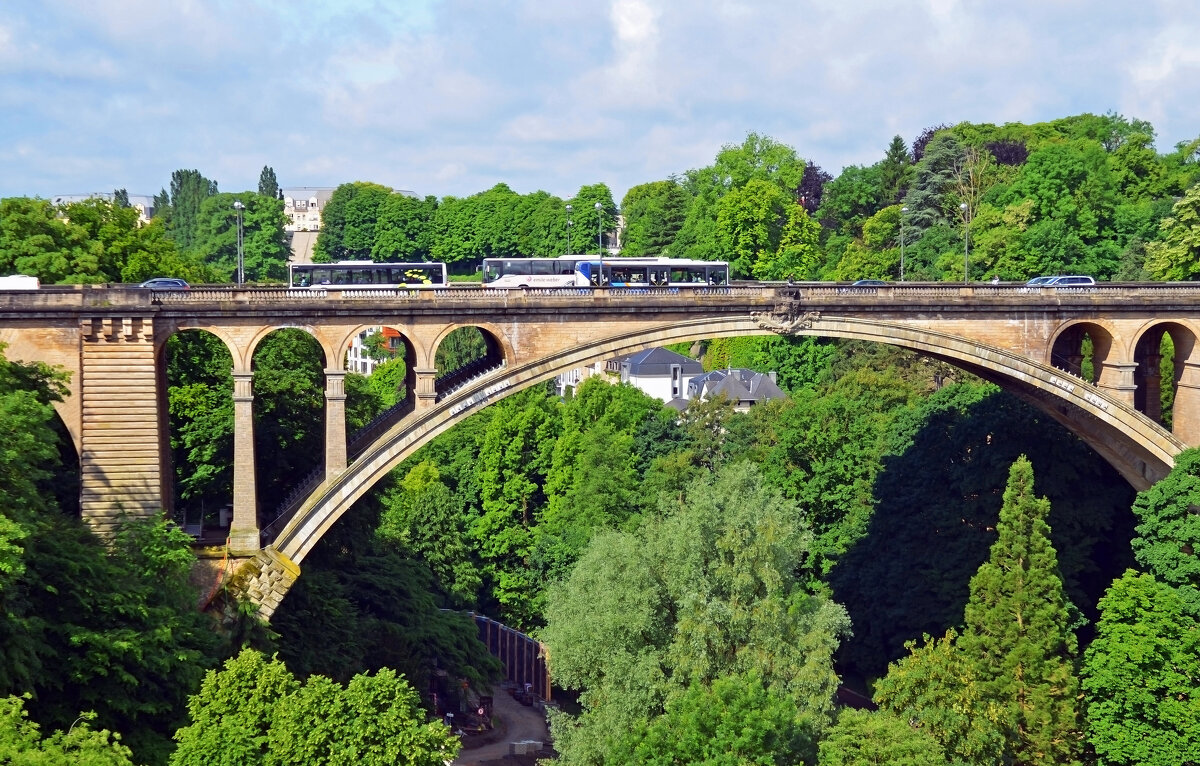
[1183,377]
[1140,449]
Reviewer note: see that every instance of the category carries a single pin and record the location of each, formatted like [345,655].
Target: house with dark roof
[743,387]
[659,373]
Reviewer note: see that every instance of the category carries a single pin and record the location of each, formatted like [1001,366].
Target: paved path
[520,722]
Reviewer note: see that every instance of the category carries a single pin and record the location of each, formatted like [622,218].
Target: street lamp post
[569,209]
[600,227]
[241,270]
[966,211]
[903,212]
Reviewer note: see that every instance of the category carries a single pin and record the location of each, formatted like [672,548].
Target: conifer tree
[1017,636]
[268,185]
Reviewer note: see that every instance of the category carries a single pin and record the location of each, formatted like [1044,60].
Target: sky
[450,97]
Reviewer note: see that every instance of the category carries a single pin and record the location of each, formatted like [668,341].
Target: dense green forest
[704,581]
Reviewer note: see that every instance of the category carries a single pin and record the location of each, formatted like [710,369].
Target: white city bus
[593,271]
[367,274]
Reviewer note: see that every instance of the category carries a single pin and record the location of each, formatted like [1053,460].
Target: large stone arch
[1141,450]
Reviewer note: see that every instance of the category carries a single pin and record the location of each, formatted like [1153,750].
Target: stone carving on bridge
[785,322]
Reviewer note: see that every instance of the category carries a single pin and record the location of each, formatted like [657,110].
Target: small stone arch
[1182,395]
[489,353]
[1070,350]
[328,351]
[398,402]
[205,510]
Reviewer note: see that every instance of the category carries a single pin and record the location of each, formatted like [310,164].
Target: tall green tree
[404,230]
[653,214]
[1177,256]
[1168,530]
[89,241]
[750,225]
[514,458]
[348,223]
[758,157]
[264,245]
[1017,636]
[1140,676]
[705,590]
[895,171]
[182,215]
[591,222]
[268,184]
[427,520]
[851,198]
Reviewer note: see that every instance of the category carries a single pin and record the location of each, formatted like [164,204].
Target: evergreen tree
[896,170]
[268,186]
[1017,636]
[189,189]
[120,197]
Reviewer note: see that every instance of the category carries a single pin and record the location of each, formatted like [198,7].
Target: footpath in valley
[506,745]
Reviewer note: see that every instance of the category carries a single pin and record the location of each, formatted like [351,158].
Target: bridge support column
[123,466]
[1118,380]
[335,422]
[243,532]
[1185,417]
[426,390]
[1150,387]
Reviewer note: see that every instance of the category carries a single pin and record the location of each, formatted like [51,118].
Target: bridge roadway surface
[1030,341]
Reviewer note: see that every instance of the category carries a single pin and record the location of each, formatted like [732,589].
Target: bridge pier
[335,422]
[1185,422]
[244,532]
[1149,395]
[1118,379]
[121,458]
[426,388]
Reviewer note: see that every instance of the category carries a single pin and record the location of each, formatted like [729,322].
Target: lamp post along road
[600,227]
[241,264]
[569,209]
[903,212]
[966,211]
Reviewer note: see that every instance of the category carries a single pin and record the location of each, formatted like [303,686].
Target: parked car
[165,283]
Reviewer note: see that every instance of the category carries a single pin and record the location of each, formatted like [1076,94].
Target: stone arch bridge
[1030,341]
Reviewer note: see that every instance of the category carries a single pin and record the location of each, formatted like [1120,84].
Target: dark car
[165,283]
[869,283]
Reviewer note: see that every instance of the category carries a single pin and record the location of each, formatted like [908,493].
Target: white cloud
[452,96]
